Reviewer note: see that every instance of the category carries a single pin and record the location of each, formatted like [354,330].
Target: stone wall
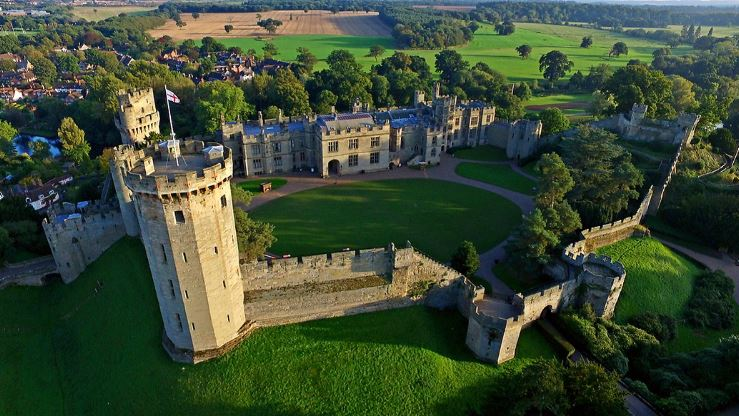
[77,238]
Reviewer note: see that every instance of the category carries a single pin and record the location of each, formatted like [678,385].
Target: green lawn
[570,104]
[435,216]
[487,46]
[659,280]
[484,153]
[499,175]
[67,350]
[253,186]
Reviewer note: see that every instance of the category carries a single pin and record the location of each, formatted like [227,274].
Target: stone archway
[546,312]
[334,167]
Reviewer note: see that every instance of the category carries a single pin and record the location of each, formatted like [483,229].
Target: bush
[712,304]
[466,260]
[663,327]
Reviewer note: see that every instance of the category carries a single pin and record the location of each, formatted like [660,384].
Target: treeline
[609,15]
[426,28]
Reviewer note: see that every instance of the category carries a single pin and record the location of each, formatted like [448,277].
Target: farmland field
[92,14]
[294,22]
[71,349]
[487,46]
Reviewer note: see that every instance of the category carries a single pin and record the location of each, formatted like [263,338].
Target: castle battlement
[137,116]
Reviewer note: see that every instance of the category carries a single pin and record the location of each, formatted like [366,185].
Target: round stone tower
[182,198]
[137,115]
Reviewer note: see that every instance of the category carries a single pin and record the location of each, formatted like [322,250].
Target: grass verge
[498,175]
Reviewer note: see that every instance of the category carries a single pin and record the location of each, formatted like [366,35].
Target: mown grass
[69,350]
[487,46]
[435,216]
[499,175]
[659,280]
[484,153]
[254,186]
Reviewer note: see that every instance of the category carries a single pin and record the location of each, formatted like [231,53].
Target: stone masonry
[137,115]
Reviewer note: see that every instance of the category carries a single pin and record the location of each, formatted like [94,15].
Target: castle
[137,115]
[176,197]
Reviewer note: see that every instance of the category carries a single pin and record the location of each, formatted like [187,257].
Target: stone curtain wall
[77,242]
[603,235]
[345,283]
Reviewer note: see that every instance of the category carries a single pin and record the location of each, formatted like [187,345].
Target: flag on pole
[171,96]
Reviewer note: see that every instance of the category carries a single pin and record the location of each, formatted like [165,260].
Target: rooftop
[345,121]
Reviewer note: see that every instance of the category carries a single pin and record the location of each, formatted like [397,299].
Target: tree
[683,96]
[605,179]
[618,49]
[7,134]
[524,51]
[381,91]
[555,181]
[228,28]
[587,41]
[448,63]
[554,65]
[723,141]
[531,243]
[180,24]
[6,245]
[553,121]
[325,102]
[45,70]
[345,78]
[288,93]
[637,84]
[239,195]
[522,91]
[66,62]
[306,59]
[9,43]
[505,28]
[466,260]
[270,25]
[253,237]
[72,138]
[591,390]
[195,15]
[269,50]
[376,51]
[219,100]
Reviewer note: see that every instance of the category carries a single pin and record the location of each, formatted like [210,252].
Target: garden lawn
[69,350]
[498,175]
[487,46]
[435,216]
[659,280]
[253,186]
[485,153]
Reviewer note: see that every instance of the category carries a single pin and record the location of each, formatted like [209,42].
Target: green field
[68,350]
[659,280]
[254,185]
[717,30]
[435,216]
[498,175]
[483,153]
[487,46]
[570,104]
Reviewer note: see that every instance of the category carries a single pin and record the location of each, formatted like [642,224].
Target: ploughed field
[294,22]
[435,216]
[68,349]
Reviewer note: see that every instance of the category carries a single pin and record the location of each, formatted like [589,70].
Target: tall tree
[376,51]
[219,101]
[253,237]
[7,134]
[345,78]
[553,121]
[554,65]
[531,243]
[466,260]
[288,93]
[524,51]
[505,27]
[618,49]
[72,138]
[587,41]
[637,84]
[449,62]
[306,59]
[270,25]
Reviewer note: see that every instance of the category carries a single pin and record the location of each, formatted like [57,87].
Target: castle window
[353,144]
[434,141]
[184,256]
[224,202]
[277,147]
[171,288]
[277,160]
[374,158]
[488,118]
[224,284]
[179,216]
[474,120]
[164,255]
[215,249]
[179,321]
[228,318]
[302,156]
[353,160]
[456,121]
[256,149]
[187,295]
[257,163]
[375,142]
[193,326]
[333,146]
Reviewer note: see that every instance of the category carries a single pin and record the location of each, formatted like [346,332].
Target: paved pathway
[724,263]
[34,268]
[445,171]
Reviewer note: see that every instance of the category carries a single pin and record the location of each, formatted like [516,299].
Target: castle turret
[122,161]
[185,211]
[137,116]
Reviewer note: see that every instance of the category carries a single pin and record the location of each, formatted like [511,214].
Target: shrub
[663,327]
[712,304]
[466,260]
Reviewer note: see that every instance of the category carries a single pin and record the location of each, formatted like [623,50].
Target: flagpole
[169,113]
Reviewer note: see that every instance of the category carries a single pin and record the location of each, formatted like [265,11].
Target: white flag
[172,97]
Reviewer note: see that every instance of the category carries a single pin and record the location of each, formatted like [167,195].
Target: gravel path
[445,171]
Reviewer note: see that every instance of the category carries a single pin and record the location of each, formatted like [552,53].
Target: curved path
[445,171]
